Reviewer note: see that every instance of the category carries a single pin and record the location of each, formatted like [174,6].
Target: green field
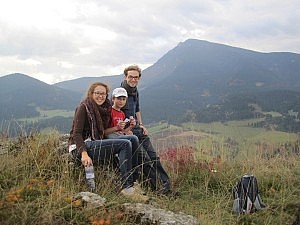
[230,140]
[239,131]
[47,114]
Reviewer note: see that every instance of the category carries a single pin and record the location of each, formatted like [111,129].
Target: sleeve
[111,119]
[137,107]
[79,122]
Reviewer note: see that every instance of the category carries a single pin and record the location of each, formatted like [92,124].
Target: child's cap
[118,92]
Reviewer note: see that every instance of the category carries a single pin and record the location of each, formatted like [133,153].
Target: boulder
[148,214]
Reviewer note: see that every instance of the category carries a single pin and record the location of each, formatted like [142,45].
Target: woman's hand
[85,159]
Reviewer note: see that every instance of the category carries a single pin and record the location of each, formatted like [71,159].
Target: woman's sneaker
[134,195]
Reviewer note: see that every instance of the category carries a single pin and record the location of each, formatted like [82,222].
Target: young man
[132,75]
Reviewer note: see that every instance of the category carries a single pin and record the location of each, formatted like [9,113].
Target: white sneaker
[134,195]
[138,187]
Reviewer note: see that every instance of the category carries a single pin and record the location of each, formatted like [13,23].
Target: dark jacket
[81,129]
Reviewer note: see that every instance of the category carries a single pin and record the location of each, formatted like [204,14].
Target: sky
[57,40]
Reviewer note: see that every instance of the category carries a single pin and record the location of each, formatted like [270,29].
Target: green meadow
[239,131]
[47,114]
[229,140]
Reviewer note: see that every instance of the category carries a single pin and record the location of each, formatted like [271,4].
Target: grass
[240,131]
[46,114]
[236,138]
[38,185]
[163,127]
[53,113]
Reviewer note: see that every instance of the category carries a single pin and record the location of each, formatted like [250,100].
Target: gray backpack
[246,196]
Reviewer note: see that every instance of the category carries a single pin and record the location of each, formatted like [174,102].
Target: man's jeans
[152,167]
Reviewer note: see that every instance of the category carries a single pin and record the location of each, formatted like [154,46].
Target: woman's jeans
[104,150]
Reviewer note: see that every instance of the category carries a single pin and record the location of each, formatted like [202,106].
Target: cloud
[64,39]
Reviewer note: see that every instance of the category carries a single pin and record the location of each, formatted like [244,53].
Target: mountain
[21,95]
[81,84]
[197,79]
[198,73]
[212,64]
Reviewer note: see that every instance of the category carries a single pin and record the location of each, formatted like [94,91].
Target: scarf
[131,91]
[98,117]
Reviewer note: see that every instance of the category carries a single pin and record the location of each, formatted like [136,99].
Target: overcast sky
[56,40]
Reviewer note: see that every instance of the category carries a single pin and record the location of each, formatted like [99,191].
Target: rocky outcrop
[91,200]
[148,214]
[142,213]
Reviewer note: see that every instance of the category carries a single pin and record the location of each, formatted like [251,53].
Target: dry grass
[38,185]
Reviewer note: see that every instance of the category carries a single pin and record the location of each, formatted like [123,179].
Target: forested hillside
[22,96]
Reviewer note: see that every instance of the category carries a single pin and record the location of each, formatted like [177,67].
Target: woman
[91,119]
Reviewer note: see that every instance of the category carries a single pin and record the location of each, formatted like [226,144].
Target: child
[124,125]
[119,98]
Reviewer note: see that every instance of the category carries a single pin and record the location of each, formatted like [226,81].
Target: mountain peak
[21,78]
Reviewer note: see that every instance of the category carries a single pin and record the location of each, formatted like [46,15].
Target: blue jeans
[136,148]
[153,168]
[104,150]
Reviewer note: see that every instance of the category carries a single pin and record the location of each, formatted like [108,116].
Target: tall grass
[38,185]
[206,188]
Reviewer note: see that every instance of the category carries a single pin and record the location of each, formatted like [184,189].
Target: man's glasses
[133,77]
[97,93]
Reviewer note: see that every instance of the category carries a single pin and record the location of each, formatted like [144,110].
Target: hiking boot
[134,195]
[138,187]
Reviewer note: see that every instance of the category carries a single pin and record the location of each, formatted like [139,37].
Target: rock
[148,214]
[91,200]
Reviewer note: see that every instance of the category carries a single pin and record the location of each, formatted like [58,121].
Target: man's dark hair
[132,67]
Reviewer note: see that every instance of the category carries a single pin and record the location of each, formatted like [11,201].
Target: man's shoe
[171,194]
[134,195]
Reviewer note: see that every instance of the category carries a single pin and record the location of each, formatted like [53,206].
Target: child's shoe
[138,187]
[134,195]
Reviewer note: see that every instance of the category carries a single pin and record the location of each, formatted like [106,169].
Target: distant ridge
[81,84]
[22,94]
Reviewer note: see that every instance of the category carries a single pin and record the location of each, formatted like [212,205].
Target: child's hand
[121,125]
[132,122]
[129,132]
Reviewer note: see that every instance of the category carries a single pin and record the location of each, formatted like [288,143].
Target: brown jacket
[80,129]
